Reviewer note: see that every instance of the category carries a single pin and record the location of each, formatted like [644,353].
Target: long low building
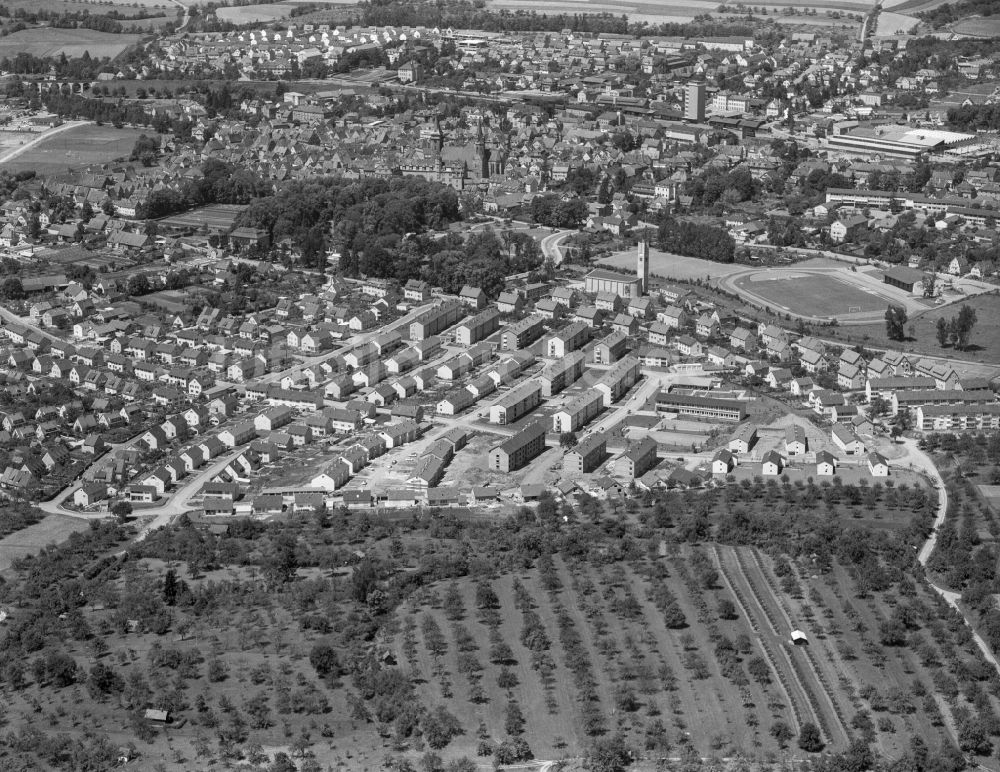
[886,387]
[957,418]
[701,407]
[909,400]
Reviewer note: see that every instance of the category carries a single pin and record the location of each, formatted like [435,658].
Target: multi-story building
[578,412]
[516,451]
[586,455]
[517,402]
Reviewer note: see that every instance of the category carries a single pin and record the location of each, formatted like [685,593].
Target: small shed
[799,638]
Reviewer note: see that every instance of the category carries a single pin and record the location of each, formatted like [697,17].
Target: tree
[282,763]
[323,657]
[895,322]
[942,331]
[121,510]
[673,616]
[567,440]
[281,563]
[145,150]
[486,597]
[170,587]
[453,606]
[507,679]
[727,609]
[973,737]
[12,289]
[810,739]
[781,732]
[963,325]
[439,727]
[138,285]
[513,719]
[610,754]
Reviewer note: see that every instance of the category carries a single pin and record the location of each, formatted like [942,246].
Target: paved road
[178,502]
[184,19]
[550,245]
[10,155]
[25,322]
[921,460]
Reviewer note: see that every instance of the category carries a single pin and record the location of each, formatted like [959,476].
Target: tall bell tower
[642,268]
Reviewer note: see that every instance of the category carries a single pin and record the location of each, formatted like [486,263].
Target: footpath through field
[13,153]
[924,462]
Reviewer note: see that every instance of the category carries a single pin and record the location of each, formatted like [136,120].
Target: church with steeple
[461,165]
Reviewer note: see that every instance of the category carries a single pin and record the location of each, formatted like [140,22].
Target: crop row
[810,658]
[768,654]
[796,668]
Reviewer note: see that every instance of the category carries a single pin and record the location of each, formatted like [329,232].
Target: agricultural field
[75,147]
[912,6]
[248,14]
[53,41]
[581,649]
[347,638]
[890,23]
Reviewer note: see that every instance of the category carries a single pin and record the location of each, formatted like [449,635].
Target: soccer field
[811,294]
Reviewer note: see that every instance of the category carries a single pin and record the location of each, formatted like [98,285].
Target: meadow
[76,147]
[985,344]
[51,529]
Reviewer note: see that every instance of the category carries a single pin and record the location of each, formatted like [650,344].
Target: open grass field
[51,41]
[890,23]
[985,343]
[671,266]
[810,294]
[76,147]
[52,529]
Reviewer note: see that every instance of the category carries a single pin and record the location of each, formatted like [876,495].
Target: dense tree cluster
[220,183]
[552,210]
[958,329]
[691,239]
